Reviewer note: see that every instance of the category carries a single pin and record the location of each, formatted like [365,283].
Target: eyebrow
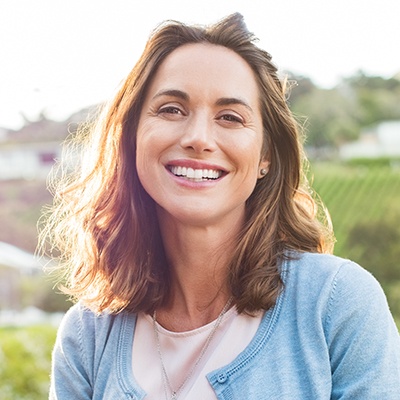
[223,101]
[227,101]
[172,93]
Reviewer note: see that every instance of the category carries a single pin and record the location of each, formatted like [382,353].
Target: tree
[378,98]
[375,244]
[334,116]
[330,115]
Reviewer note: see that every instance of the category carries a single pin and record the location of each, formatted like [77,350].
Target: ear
[263,168]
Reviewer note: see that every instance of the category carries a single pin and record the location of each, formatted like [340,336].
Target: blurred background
[61,59]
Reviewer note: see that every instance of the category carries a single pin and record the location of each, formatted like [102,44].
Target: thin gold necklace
[166,382]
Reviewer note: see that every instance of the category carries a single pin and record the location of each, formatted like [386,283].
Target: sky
[59,56]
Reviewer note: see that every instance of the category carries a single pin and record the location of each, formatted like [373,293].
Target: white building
[29,160]
[14,263]
[30,152]
[381,140]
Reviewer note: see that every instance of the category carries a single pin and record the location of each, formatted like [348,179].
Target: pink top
[180,351]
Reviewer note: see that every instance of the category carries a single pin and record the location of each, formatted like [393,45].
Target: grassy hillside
[364,203]
[356,195]
[25,362]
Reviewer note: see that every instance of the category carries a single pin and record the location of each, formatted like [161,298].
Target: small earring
[263,171]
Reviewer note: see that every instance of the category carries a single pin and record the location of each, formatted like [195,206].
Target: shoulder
[88,346]
[79,318]
[346,305]
[312,263]
[345,295]
[315,270]
[84,330]
[335,287]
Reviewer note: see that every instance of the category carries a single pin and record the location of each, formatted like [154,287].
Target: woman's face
[199,137]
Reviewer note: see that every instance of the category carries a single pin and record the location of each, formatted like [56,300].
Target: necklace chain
[167,384]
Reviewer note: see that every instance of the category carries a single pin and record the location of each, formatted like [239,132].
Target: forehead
[206,69]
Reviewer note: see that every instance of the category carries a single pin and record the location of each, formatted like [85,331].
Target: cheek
[248,152]
[150,146]
[146,141]
[144,155]
[153,136]
[140,152]
[146,172]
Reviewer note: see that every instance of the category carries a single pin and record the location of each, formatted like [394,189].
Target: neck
[198,258]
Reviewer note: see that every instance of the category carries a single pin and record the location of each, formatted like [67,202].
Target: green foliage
[377,244]
[374,162]
[392,291]
[331,117]
[337,115]
[364,203]
[25,362]
[378,97]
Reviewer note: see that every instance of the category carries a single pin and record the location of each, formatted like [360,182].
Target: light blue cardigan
[329,336]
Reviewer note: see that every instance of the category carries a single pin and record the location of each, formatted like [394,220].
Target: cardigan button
[222,377]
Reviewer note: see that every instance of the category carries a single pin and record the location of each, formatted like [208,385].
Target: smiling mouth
[196,175]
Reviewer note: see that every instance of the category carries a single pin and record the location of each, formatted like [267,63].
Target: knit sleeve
[70,377]
[363,340]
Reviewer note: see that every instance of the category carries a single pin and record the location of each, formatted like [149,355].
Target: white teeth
[196,174]
[190,173]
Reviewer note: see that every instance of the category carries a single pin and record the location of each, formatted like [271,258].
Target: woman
[191,242]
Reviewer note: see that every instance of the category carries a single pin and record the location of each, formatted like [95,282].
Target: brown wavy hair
[103,224]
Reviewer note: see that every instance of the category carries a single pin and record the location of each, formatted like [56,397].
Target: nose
[199,135]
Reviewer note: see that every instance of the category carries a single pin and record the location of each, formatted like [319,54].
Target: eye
[170,110]
[231,118]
